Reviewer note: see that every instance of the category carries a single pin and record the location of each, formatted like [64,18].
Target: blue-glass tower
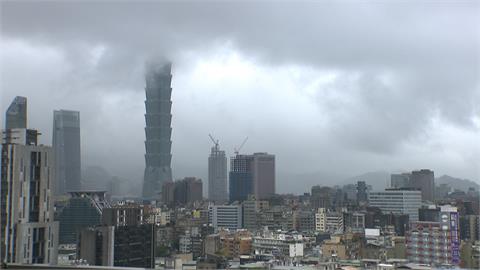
[241,177]
[16,116]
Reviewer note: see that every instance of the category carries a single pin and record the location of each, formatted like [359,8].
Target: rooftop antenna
[240,147]
[214,141]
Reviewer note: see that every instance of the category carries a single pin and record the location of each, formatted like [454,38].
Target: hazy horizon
[336,89]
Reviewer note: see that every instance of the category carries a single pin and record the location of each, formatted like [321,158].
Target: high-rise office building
[263,175]
[321,197]
[158,130]
[16,115]
[182,192]
[66,144]
[217,175]
[401,180]
[29,233]
[362,195]
[425,181]
[397,201]
[241,177]
[188,190]
[226,216]
[252,174]
[122,246]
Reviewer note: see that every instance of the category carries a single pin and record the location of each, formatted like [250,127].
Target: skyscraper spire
[158,130]
[16,115]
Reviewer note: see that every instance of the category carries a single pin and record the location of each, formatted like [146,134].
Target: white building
[321,220]
[28,233]
[296,250]
[278,244]
[326,221]
[226,216]
[397,201]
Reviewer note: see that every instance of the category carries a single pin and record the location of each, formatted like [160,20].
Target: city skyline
[240,135]
[321,113]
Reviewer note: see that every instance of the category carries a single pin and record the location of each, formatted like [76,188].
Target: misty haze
[133,96]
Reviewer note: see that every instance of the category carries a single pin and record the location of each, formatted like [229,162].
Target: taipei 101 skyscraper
[158,130]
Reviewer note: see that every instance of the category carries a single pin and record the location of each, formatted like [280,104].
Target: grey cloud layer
[398,65]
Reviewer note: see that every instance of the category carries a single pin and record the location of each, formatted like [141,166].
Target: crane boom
[213,140]
[240,147]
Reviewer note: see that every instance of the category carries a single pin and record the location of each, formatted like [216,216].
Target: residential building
[217,175]
[397,201]
[435,243]
[470,255]
[470,228]
[277,244]
[66,144]
[321,220]
[250,213]
[354,222]
[158,216]
[344,247]
[334,222]
[235,244]
[158,130]
[328,221]
[305,221]
[29,234]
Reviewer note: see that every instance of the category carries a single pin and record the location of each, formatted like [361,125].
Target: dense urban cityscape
[279,135]
[49,217]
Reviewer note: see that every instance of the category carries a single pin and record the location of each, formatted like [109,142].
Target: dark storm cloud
[397,66]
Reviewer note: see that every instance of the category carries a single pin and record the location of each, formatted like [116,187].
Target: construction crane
[240,147]
[214,141]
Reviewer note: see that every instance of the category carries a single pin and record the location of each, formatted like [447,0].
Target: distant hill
[299,183]
[379,180]
[456,183]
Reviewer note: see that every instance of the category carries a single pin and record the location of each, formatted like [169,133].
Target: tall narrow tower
[217,175]
[66,145]
[158,130]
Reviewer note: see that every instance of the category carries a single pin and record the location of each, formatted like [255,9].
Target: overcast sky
[340,88]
